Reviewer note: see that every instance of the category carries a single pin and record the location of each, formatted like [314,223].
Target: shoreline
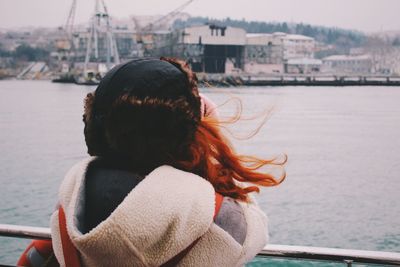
[297,80]
[236,80]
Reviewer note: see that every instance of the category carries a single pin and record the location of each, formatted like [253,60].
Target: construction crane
[141,32]
[100,27]
[151,26]
[69,25]
[101,17]
[69,30]
[67,47]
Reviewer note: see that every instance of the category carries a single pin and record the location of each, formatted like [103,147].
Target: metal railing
[346,256]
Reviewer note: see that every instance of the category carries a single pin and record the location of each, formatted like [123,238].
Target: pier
[223,80]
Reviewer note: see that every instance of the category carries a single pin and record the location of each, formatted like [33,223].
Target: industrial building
[220,49]
[207,48]
[303,65]
[264,54]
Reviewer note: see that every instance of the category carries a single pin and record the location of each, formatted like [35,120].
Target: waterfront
[342,142]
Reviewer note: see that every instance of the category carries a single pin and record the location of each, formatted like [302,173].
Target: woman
[147,197]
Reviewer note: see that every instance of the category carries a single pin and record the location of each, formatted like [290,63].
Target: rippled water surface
[343,143]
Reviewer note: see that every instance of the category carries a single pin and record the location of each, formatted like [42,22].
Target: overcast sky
[364,15]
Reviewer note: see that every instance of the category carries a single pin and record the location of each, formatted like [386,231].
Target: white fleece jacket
[159,218]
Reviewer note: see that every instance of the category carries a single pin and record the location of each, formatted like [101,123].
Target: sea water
[343,147]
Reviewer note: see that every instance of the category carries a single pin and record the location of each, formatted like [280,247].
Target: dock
[223,80]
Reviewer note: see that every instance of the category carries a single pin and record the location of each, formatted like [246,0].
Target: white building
[361,64]
[297,46]
[267,53]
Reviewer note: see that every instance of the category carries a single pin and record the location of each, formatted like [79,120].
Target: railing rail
[347,256]
[24,231]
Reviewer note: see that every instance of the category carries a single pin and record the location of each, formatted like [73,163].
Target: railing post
[349,263]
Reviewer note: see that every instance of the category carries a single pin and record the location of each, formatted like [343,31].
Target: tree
[396,41]
[28,53]
[322,34]
[285,27]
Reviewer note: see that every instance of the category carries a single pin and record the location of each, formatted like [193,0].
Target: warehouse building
[207,48]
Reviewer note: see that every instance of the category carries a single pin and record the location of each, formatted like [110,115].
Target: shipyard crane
[100,27]
[149,28]
[69,28]
[69,25]
[100,17]
[67,46]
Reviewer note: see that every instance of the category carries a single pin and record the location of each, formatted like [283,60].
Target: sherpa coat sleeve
[218,248]
[257,231]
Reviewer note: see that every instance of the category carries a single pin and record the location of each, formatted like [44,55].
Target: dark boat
[65,78]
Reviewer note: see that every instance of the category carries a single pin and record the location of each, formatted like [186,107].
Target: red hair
[214,159]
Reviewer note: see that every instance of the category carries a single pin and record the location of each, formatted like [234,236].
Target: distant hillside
[335,36]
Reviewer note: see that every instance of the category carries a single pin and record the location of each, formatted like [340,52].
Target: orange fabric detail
[23,260]
[71,258]
[218,203]
[44,247]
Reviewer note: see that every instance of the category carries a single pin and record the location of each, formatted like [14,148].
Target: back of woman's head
[147,112]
